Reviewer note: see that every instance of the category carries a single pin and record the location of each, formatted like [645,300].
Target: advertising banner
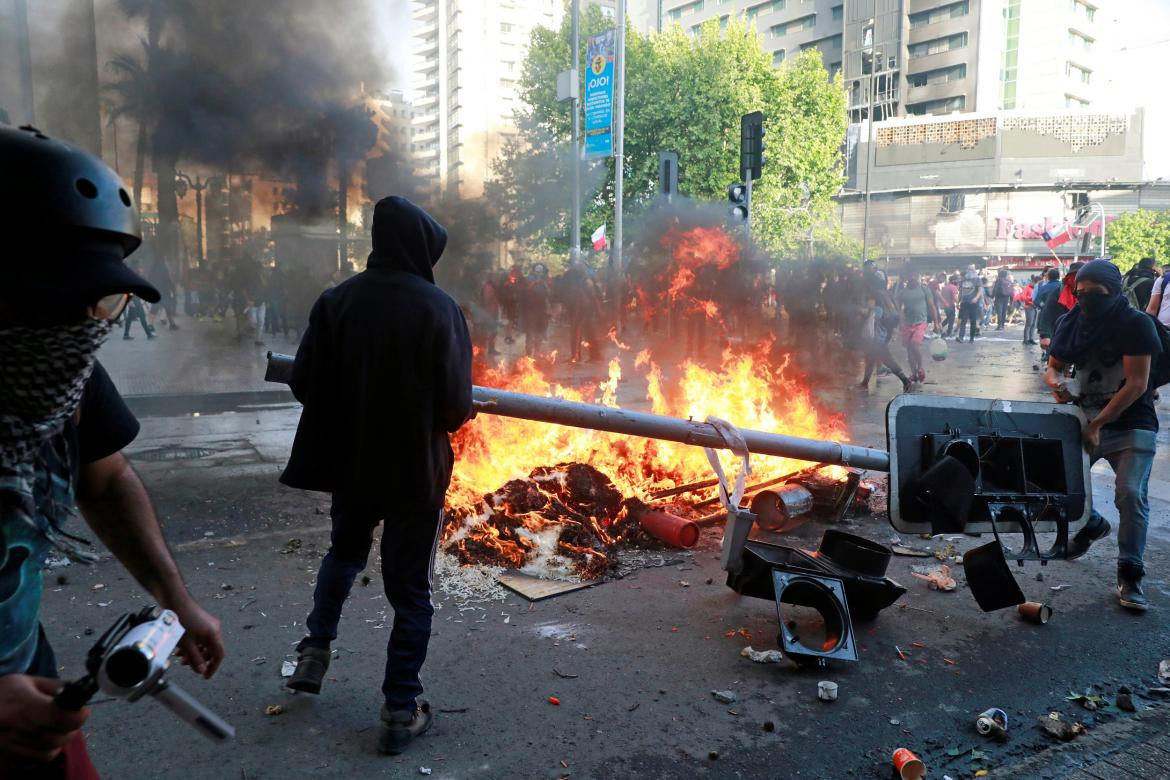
[599,55]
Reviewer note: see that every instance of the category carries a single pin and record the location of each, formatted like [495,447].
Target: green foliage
[1139,234]
[685,94]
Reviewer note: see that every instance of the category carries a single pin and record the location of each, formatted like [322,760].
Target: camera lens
[127,667]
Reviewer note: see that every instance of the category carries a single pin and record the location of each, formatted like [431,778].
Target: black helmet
[50,185]
[72,209]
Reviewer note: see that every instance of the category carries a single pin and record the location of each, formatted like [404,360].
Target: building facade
[982,188]
[930,57]
[466,61]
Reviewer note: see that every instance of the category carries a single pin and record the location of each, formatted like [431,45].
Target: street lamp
[868,40]
[182,183]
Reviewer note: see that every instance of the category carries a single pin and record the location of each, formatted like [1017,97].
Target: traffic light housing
[737,195]
[751,145]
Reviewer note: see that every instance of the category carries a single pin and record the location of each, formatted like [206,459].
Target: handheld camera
[130,661]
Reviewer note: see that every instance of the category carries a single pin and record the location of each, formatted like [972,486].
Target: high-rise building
[930,56]
[467,57]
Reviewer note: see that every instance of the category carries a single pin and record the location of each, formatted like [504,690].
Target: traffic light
[737,195]
[751,145]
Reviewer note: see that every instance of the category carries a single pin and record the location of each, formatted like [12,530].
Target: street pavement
[632,661]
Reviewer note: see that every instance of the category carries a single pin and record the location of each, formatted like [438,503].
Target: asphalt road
[633,661]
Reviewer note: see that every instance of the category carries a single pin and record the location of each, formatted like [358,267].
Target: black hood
[405,238]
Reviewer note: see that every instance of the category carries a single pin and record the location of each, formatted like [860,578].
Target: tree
[685,94]
[1138,234]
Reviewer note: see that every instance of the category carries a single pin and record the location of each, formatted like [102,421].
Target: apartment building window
[804,23]
[1072,101]
[1073,71]
[764,8]
[834,69]
[942,106]
[939,75]
[831,42]
[507,84]
[1009,67]
[1079,41]
[952,11]
[506,28]
[1081,8]
[777,57]
[838,13]
[938,45]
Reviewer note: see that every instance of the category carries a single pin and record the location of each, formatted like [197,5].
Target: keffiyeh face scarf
[43,371]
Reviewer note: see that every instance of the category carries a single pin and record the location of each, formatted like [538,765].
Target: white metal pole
[575,103]
[619,119]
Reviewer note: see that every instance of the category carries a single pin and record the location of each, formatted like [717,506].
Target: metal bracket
[1030,548]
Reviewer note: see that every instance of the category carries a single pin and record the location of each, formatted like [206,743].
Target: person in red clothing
[1025,299]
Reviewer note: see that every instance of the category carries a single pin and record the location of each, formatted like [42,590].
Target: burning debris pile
[565,518]
[508,506]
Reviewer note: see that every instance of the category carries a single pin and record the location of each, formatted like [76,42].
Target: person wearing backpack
[1138,283]
[1115,349]
[1159,303]
[970,303]
[1004,289]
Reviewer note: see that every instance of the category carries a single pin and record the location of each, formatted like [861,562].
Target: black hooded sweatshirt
[384,373]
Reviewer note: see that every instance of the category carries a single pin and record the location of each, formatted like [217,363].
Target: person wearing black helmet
[70,225]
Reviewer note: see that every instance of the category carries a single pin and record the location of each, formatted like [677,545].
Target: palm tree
[130,99]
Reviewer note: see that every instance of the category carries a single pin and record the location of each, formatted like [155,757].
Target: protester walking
[135,312]
[1159,304]
[1113,346]
[1138,283]
[916,305]
[1002,297]
[970,303]
[1029,311]
[949,294]
[384,373]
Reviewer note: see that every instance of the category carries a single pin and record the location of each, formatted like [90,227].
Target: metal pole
[199,187]
[489,400]
[619,120]
[575,104]
[747,223]
[868,153]
[1102,208]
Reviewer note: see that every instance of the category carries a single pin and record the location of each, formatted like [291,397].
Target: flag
[1055,238]
[598,237]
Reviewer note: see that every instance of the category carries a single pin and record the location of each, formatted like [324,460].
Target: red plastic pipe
[668,528]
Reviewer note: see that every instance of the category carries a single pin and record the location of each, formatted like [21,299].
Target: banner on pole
[599,53]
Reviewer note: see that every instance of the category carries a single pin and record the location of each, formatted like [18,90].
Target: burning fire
[508,505]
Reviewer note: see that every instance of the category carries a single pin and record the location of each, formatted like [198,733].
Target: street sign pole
[747,223]
[575,103]
[619,159]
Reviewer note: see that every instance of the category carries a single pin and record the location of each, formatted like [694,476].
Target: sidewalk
[201,357]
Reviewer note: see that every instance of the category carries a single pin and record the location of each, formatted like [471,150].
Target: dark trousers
[136,314]
[409,543]
[969,313]
[1001,310]
[949,321]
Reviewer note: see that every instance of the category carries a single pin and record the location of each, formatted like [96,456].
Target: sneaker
[1084,538]
[399,727]
[1129,587]
[312,663]
[1130,595]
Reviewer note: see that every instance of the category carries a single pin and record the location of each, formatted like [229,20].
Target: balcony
[937,91]
[425,102]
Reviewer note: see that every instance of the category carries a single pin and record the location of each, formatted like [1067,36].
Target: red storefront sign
[1008,228]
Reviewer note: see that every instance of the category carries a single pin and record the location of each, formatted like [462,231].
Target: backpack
[1130,287]
[967,288]
[1160,367]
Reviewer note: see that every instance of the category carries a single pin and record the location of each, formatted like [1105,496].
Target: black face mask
[1095,304]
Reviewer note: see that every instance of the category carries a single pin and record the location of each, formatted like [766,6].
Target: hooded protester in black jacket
[384,373]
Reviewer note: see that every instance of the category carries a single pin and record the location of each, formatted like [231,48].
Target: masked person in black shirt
[384,372]
[1113,347]
[70,224]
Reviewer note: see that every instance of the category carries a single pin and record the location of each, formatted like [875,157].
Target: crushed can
[992,723]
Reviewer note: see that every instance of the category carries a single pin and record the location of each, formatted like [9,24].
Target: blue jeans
[1131,455]
[409,543]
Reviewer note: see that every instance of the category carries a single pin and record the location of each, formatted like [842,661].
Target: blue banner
[599,55]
